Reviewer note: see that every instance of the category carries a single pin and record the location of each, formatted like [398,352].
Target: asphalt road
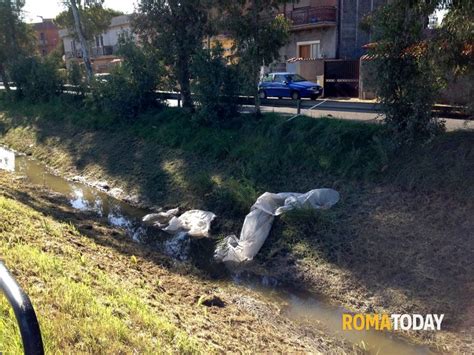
[343,109]
[359,111]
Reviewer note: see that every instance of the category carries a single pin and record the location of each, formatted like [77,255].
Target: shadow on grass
[410,250]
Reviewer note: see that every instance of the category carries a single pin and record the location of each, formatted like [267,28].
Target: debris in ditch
[7,160]
[178,246]
[195,223]
[259,221]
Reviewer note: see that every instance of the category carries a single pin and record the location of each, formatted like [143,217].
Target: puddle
[297,306]
[304,308]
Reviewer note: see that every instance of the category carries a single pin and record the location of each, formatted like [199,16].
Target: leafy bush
[75,77]
[130,89]
[215,86]
[36,79]
[406,81]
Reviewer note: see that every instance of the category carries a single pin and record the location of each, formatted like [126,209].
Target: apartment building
[323,30]
[102,49]
[47,36]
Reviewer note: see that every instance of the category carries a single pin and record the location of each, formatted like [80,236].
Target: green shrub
[36,79]
[75,77]
[215,86]
[130,89]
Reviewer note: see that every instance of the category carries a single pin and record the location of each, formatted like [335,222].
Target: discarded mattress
[259,221]
[195,223]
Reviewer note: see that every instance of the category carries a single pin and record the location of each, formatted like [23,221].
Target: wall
[51,36]
[367,77]
[312,70]
[326,36]
[352,38]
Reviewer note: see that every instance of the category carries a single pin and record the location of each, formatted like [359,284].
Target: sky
[50,8]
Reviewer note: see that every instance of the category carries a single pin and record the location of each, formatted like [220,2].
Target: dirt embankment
[216,316]
[385,247]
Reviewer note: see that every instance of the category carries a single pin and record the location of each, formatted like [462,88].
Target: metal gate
[341,78]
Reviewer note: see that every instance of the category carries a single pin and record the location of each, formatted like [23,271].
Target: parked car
[288,85]
[102,77]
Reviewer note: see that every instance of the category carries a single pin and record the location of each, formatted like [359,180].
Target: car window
[279,79]
[267,78]
[295,78]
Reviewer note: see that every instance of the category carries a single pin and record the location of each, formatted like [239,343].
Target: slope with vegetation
[95,291]
[400,240]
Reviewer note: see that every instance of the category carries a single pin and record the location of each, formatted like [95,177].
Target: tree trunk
[82,39]
[256,71]
[258,112]
[4,78]
[184,83]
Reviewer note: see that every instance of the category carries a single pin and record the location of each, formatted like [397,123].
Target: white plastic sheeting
[7,160]
[195,223]
[259,221]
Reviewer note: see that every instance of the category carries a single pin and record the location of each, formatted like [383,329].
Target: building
[323,30]
[102,49]
[351,37]
[47,36]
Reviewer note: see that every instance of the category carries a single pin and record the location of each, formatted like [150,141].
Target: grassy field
[400,240]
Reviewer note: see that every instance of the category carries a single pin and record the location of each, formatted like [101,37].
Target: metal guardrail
[24,313]
[443,111]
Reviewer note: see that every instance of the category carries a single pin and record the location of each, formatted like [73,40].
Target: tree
[130,88]
[215,86]
[85,19]
[406,79]
[258,36]
[454,44]
[14,36]
[176,29]
[413,63]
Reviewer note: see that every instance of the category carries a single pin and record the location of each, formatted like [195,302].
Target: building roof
[122,20]
[46,24]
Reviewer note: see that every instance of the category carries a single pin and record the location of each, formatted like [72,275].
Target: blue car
[288,85]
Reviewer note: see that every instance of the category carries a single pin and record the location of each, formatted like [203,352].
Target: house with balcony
[102,49]
[323,30]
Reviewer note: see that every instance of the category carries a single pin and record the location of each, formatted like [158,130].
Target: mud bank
[383,249]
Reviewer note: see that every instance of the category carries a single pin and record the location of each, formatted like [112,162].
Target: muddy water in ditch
[298,306]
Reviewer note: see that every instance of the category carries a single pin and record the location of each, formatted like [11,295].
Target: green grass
[269,153]
[80,307]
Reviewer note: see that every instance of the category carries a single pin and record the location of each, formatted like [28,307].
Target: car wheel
[295,95]
[262,94]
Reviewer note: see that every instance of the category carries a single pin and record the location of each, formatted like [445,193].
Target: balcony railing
[94,52]
[312,16]
[104,50]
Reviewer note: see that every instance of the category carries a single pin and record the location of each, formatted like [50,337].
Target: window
[267,78]
[309,50]
[295,78]
[279,79]
[99,41]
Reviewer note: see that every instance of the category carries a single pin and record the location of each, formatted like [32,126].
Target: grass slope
[400,240]
[80,307]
